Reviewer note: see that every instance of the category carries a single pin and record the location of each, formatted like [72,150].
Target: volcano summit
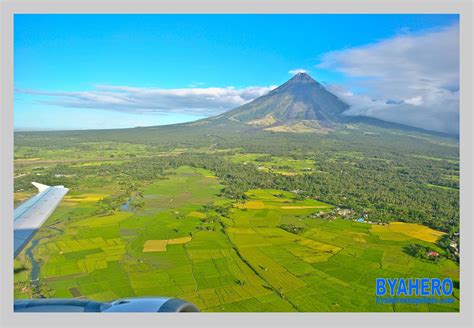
[299,105]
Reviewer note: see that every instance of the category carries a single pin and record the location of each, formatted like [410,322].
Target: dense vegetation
[423,252]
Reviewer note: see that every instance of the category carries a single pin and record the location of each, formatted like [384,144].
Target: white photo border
[462,7]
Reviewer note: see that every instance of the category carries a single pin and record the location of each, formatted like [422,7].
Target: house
[344,212]
[433,254]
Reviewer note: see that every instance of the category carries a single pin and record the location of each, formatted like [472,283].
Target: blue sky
[109,71]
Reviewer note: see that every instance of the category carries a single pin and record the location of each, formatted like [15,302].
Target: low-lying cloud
[192,101]
[297,70]
[411,79]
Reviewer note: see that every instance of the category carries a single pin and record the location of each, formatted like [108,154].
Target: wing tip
[41,187]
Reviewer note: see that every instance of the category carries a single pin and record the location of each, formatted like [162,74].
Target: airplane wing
[31,214]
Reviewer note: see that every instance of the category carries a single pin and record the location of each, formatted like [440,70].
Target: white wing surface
[31,214]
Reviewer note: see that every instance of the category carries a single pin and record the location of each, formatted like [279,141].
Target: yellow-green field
[410,230]
[160,245]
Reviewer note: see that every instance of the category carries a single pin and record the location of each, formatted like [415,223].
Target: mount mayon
[299,105]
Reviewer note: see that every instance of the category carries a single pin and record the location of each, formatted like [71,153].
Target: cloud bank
[411,79]
[192,101]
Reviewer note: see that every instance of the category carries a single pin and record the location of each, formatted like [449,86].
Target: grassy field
[265,253]
[275,164]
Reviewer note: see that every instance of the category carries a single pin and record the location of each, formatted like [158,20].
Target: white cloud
[411,79]
[415,101]
[297,70]
[192,101]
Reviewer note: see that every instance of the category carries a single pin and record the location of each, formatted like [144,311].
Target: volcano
[299,105]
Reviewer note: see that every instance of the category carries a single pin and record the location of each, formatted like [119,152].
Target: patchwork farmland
[265,252]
